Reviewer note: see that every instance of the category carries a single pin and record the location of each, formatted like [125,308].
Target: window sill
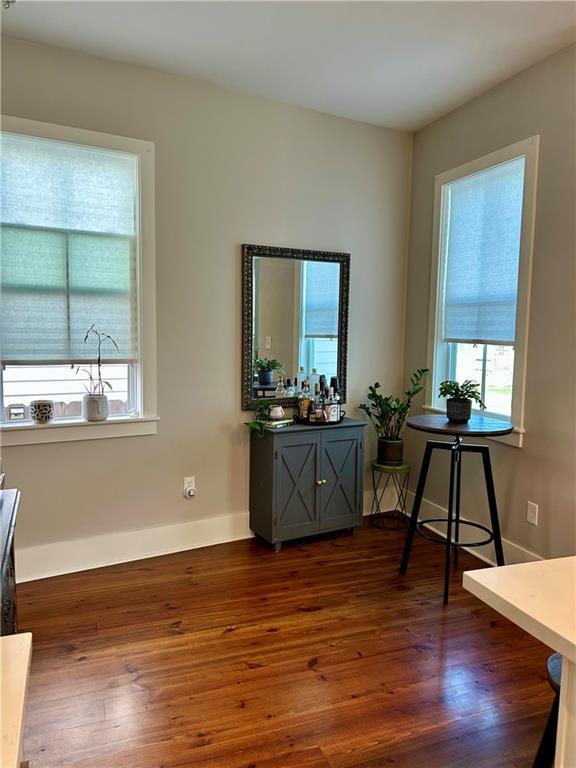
[514,439]
[71,430]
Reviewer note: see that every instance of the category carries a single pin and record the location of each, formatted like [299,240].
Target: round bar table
[477,426]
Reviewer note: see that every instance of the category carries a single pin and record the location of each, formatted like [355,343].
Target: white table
[15,655]
[541,598]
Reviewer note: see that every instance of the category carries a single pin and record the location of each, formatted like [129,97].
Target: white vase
[95,407]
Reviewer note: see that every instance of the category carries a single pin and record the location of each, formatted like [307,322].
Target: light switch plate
[532,513]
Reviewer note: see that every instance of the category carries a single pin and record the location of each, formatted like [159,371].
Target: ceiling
[397,64]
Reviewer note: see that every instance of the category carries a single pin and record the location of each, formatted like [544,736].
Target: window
[76,251]
[483,228]
[320,292]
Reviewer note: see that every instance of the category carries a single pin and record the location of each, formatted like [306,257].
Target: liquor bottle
[336,387]
[304,401]
[331,408]
[314,378]
[317,406]
[301,377]
[289,388]
[323,384]
[280,389]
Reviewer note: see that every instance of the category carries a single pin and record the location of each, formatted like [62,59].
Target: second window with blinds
[319,304]
[480,289]
[77,221]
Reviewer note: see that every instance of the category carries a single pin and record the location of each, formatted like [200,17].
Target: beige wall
[540,100]
[229,169]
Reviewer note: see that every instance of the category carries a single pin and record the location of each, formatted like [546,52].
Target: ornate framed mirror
[294,318]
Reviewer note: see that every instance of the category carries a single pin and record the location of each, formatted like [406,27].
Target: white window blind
[321,299]
[482,218]
[69,248]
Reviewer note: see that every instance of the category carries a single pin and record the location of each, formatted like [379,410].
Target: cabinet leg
[277,546]
[355,530]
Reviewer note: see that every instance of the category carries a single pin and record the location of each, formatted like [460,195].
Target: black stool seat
[547,748]
[554,667]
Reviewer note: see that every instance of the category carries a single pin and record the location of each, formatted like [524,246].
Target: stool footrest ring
[429,537]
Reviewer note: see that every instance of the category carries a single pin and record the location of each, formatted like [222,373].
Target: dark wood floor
[318,657]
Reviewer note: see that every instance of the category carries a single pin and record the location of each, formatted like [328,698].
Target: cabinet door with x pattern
[341,466]
[297,484]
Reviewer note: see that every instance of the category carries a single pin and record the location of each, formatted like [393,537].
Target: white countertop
[540,597]
[15,655]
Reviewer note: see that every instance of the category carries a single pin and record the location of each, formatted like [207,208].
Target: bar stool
[478,426]
[398,475]
[547,749]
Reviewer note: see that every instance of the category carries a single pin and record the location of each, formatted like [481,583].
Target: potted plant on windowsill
[388,416]
[265,369]
[95,402]
[459,399]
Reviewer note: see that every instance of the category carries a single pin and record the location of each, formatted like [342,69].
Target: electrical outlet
[532,513]
[190,487]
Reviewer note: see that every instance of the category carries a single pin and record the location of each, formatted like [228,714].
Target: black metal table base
[453,543]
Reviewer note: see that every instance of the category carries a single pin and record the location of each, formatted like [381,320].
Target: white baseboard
[75,555]
[71,556]
[513,553]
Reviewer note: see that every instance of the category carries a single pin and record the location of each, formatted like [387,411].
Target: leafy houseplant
[459,399]
[262,416]
[95,402]
[388,415]
[265,368]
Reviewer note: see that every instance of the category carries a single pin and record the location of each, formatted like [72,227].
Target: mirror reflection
[295,322]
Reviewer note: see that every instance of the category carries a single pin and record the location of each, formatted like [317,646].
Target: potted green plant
[95,402]
[265,369]
[388,415]
[459,399]
[262,416]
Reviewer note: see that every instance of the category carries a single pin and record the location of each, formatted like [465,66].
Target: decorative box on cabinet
[306,480]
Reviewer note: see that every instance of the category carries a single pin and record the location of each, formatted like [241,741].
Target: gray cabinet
[306,480]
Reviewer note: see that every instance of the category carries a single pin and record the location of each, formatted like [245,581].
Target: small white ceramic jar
[276,412]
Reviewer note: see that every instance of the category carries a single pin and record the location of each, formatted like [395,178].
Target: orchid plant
[96,384]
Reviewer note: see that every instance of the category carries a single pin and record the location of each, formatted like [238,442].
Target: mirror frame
[249,252]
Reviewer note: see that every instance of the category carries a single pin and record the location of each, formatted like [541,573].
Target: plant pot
[390,451]
[265,377]
[41,411]
[95,407]
[458,411]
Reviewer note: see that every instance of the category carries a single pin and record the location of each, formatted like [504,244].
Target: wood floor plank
[320,656]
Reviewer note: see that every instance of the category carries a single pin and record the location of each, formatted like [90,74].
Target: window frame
[438,352]
[145,380]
